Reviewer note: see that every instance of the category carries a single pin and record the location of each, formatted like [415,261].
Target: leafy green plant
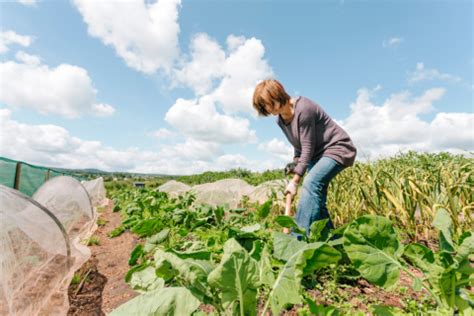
[301,259]
[373,247]
[230,257]
[101,222]
[163,301]
[237,279]
[92,241]
[76,278]
[116,232]
[322,310]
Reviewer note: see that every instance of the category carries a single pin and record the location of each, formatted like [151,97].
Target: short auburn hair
[267,93]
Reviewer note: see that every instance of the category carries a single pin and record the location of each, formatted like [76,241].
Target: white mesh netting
[40,245]
[96,191]
[223,192]
[174,188]
[226,192]
[262,192]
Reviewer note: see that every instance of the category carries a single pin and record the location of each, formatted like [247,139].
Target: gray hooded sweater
[314,134]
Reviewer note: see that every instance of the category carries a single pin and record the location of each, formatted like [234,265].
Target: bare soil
[105,286]
[85,297]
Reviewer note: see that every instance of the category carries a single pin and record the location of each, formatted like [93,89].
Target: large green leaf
[317,228]
[285,246]
[286,221]
[289,222]
[423,258]
[165,301]
[287,286]
[264,209]
[251,228]
[129,274]
[237,278]
[147,227]
[465,302]
[189,272]
[218,214]
[265,268]
[373,247]
[137,252]
[192,254]
[465,249]
[256,250]
[444,224]
[146,280]
[156,239]
[245,232]
[447,286]
[317,256]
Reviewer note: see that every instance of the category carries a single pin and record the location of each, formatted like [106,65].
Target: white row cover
[41,244]
[226,192]
[96,191]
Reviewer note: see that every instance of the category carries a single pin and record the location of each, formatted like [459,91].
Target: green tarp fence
[25,177]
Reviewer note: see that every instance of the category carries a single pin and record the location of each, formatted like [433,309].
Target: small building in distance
[139,184]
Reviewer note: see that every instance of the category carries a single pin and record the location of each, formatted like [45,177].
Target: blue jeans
[312,204]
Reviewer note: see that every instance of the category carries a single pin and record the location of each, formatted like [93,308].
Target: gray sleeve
[307,133]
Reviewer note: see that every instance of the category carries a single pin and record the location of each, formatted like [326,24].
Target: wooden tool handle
[288,204]
[288,210]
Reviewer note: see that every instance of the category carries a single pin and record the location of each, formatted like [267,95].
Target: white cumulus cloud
[244,68]
[10,37]
[27,58]
[423,74]
[227,76]
[278,149]
[102,109]
[397,126]
[200,120]
[162,133]
[52,145]
[65,90]
[204,66]
[453,131]
[193,149]
[144,35]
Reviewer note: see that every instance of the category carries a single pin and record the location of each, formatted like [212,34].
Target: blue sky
[165,87]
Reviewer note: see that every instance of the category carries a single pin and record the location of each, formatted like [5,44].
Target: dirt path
[112,255]
[109,264]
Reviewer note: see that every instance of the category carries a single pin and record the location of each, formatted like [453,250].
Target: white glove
[291,188]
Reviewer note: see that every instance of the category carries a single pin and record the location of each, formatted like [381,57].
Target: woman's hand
[291,188]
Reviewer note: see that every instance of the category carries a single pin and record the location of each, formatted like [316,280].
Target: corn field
[408,189]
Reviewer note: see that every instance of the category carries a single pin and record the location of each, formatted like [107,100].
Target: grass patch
[101,222]
[116,232]
[76,279]
[93,241]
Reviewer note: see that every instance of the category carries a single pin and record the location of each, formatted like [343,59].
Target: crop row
[237,262]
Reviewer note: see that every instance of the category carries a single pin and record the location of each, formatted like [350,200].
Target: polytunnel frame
[90,200]
[53,217]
